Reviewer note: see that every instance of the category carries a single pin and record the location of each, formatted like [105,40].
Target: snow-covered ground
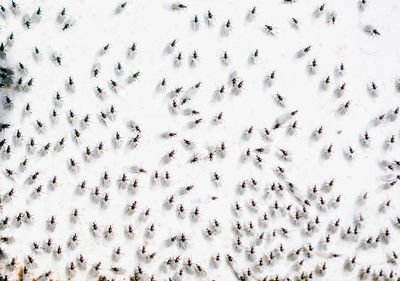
[249,102]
